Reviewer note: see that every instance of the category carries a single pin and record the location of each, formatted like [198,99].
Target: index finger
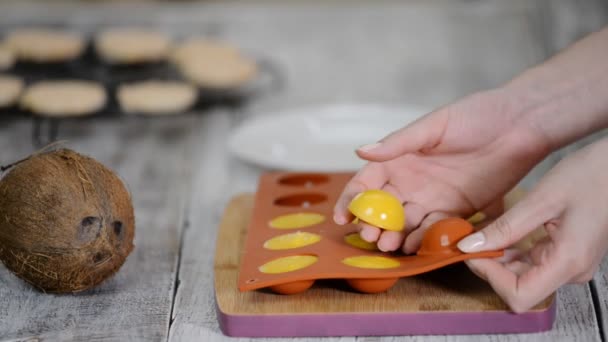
[371,176]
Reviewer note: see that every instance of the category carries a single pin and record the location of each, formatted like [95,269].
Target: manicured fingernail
[339,219]
[472,243]
[368,148]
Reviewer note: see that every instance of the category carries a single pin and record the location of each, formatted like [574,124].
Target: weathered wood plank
[135,304]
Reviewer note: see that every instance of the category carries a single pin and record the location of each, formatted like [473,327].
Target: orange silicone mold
[288,260]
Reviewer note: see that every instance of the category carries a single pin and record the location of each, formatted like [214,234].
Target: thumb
[513,225]
[423,133]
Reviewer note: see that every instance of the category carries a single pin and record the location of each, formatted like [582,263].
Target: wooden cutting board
[448,301]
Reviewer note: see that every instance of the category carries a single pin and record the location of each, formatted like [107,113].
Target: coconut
[66,221]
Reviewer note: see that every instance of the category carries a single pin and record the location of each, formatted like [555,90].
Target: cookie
[10,89]
[7,57]
[196,47]
[213,65]
[45,45]
[156,97]
[64,98]
[132,45]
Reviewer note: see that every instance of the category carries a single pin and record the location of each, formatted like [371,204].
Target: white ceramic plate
[320,138]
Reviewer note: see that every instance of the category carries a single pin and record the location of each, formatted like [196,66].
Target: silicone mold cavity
[292,241]
[296,220]
[288,264]
[304,200]
[307,180]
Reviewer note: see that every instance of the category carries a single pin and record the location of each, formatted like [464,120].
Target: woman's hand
[570,201]
[454,161]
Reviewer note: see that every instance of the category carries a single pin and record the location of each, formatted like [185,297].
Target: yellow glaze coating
[296,221]
[355,240]
[477,217]
[288,264]
[292,240]
[375,262]
[378,208]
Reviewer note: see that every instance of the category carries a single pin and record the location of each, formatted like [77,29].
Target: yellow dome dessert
[378,208]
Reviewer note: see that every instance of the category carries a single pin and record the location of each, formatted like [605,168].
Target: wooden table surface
[181,174]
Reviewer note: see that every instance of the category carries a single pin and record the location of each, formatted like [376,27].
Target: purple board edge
[386,324]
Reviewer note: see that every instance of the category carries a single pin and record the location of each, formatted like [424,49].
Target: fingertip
[412,243]
[390,241]
[369,148]
[340,219]
[383,248]
[369,233]
[406,249]
[374,156]
[379,152]
[341,207]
